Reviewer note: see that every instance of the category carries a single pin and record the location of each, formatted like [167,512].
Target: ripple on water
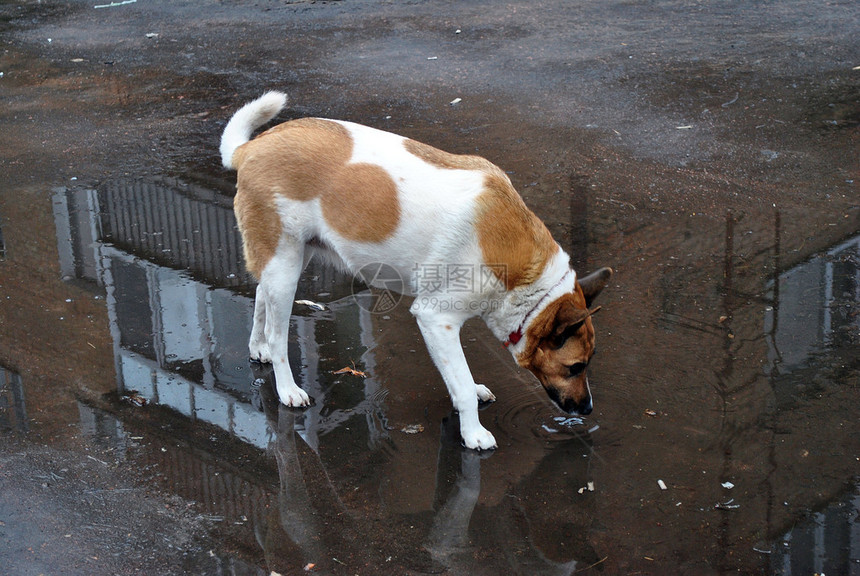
[523,415]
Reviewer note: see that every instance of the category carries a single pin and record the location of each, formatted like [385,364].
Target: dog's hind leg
[258,346]
[278,284]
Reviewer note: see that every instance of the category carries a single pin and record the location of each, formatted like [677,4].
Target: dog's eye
[577,369]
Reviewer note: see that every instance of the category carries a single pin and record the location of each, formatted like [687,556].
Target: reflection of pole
[777,250]
[2,246]
[12,381]
[728,264]
[578,224]
[106,277]
[724,376]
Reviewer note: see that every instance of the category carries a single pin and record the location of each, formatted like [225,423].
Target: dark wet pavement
[707,152]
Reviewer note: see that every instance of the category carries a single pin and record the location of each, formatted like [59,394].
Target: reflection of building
[813,326]
[826,543]
[812,305]
[696,333]
[182,343]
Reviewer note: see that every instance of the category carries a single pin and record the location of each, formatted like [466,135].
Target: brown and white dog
[358,196]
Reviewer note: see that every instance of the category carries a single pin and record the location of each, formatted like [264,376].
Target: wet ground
[708,152]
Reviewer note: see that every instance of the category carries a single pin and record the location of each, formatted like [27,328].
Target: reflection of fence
[2,246]
[175,224]
[223,495]
[218,491]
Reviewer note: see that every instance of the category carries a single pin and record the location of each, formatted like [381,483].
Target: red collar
[513,337]
[517,334]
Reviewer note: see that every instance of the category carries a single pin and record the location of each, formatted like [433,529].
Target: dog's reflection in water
[313,525]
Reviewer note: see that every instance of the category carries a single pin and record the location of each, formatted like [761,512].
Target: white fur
[436,208]
[243,123]
[436,228]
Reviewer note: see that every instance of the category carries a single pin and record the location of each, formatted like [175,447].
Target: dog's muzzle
[583,408]
[571,406]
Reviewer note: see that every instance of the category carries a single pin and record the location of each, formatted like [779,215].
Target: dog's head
[560,344]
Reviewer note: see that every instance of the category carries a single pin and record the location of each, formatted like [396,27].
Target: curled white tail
[247,119]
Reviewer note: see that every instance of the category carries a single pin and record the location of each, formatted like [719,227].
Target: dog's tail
[247,119]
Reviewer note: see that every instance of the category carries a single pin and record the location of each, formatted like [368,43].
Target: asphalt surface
[673,118]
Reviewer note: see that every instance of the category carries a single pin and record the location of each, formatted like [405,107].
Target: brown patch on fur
[514,242]
[448,161]
[295,159]
[362,203]
[303,160]
[260,227]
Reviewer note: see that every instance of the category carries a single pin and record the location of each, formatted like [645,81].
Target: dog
[356,196]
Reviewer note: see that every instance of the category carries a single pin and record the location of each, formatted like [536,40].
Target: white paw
[260,352]
[294,396]
[479,439]
[484,394]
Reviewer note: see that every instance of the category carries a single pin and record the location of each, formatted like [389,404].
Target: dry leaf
[353,371]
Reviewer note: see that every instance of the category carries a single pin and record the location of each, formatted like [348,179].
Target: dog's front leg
[442,336]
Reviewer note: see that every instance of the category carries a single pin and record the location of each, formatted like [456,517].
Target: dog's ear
[568,322]
[568,317]
[594,283]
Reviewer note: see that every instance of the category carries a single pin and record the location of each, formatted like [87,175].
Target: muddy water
[706,153]
[725,403]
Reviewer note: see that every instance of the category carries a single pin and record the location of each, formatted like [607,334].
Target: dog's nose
[582,408]
[585,407]
[571,406]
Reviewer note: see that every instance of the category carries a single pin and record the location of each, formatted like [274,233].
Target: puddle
[824,543]
[135,436]
[736,369]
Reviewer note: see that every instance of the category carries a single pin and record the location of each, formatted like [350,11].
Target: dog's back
[372,196]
